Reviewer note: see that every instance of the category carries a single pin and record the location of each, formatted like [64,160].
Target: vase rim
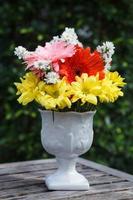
[68,112]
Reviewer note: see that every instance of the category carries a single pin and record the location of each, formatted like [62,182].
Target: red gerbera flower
[83,61]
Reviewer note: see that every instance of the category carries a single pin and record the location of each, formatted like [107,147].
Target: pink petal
[51,51]
[56,66]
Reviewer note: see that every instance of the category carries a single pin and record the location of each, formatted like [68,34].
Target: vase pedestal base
[66,181]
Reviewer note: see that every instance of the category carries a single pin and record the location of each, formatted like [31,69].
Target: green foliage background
[32,22]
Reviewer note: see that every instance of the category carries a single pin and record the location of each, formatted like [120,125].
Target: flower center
[78,73]
[55,94]
[85,90]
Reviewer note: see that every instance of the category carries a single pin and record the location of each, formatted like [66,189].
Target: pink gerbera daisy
[51,51]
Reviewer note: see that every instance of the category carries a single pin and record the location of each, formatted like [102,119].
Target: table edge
[106,169]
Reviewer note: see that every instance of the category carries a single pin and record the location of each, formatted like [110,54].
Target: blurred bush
[33,22]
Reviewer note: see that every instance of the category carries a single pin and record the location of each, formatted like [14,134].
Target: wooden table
[24,180]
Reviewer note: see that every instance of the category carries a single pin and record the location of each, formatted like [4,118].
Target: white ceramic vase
[66,135]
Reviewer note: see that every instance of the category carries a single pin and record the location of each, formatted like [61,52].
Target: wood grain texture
[25,181]
[106,169]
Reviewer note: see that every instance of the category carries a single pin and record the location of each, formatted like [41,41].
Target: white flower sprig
[43,64]
[20,52]
[69,36]
[51,77]
[106,50]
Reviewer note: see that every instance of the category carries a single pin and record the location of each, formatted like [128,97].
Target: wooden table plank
[24,181]
[29,180]
[106,169]
[64,195]
[26,163]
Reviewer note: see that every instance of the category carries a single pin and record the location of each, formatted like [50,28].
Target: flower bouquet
[68,81]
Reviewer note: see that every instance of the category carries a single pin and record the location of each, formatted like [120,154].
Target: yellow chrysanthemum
[111,87]
[86,89]
[55,96]
[49,96]
[27,89]
[62,94]
[115,78]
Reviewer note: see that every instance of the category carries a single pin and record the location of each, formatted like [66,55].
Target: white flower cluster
[43,64]
[20,52]
[68,36]
[107,50]
[51,77]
